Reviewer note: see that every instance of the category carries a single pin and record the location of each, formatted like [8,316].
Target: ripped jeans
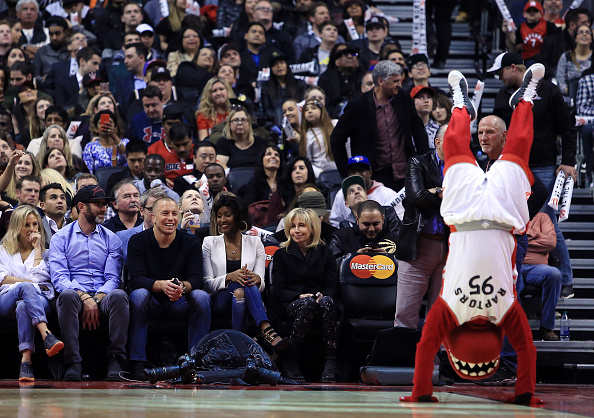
[252,300]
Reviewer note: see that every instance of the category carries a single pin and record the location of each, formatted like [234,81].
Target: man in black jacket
[384,126]
[422,245]
[551,119]
[341,81]
[367,236]
[165,266]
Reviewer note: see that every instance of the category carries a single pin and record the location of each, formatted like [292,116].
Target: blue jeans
[195,305]
[549,279]
[252,300]
[29,307]
[547,175]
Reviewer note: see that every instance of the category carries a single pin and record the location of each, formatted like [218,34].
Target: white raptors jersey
[499,195]
[480,275]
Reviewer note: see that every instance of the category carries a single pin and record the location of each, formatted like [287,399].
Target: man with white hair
[34,34]
[384,126]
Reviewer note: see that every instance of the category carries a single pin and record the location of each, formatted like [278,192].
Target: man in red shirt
[175,164]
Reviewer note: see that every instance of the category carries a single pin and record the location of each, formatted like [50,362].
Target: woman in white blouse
[234,267]
[25,287]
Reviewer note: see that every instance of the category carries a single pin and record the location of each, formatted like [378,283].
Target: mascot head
[474,348]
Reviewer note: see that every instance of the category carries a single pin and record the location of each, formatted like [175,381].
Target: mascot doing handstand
[478,303]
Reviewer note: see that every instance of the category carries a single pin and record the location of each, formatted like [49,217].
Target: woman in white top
[234,268]
[25,278]
[316,128]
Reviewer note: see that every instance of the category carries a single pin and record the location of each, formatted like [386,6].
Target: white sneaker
[459,89]
[527,90]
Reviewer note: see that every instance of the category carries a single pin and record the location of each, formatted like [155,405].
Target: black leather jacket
[422,173]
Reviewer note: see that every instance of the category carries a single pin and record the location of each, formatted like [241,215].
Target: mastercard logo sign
[378,266]
[270,250]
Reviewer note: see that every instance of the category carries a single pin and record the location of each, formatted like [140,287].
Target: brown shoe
[548,335]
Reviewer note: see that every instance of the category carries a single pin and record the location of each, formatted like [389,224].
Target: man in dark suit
[256,54]
[67,89]
[383,126]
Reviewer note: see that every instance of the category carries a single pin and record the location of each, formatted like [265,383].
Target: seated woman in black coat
[267,173]
[305,287]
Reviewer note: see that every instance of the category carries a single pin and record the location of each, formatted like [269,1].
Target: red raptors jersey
[532,38]
[174,166]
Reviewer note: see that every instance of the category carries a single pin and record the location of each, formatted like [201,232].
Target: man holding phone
[166,279]
[367,236]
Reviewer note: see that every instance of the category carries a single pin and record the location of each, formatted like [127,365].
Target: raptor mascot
[478,302]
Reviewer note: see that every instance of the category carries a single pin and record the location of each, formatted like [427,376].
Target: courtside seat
[368,285]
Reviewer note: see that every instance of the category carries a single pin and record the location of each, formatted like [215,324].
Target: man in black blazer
[388,140]
[67,89]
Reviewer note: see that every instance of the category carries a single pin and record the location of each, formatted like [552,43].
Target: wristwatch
[97,300]
[438,190]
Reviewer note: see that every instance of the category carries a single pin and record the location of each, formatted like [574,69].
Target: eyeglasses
[420,65]
[150,209]
[584,32]
[265,9]
[240,121]
[99,204]
[347,53]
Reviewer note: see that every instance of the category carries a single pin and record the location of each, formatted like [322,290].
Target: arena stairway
[578,353]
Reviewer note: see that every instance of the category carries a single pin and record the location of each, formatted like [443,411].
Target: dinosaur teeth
[482,373]
[490,369]
[471,365]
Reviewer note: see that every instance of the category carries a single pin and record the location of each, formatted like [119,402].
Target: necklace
[236,246]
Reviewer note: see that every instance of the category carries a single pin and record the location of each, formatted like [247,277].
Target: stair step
[574,324]
[582,263]
[565,346]
[575,304]
[576,226]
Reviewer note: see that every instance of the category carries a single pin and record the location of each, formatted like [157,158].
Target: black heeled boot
[291,364]
[329,373]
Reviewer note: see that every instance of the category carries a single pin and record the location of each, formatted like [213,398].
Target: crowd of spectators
[147,153]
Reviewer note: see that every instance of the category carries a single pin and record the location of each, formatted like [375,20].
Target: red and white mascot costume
[478,302]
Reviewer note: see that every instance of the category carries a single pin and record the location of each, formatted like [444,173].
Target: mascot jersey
[476,286]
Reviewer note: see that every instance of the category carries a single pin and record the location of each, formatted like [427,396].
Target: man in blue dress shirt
[85,264]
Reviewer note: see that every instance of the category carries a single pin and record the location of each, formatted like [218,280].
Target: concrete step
[583,325]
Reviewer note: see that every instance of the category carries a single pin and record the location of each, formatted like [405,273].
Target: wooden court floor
[122,400]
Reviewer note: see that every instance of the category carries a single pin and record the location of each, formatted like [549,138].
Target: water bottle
[564,327]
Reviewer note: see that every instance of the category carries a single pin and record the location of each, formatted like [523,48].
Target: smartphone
[176,281]
[104,119]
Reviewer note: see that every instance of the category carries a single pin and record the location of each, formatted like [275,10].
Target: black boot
[291,365]
[329,373]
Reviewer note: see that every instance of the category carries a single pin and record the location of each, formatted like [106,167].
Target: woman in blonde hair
[20,164]
[239,147]
[25,285]
[305,287]
[214,105]
[316,128]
